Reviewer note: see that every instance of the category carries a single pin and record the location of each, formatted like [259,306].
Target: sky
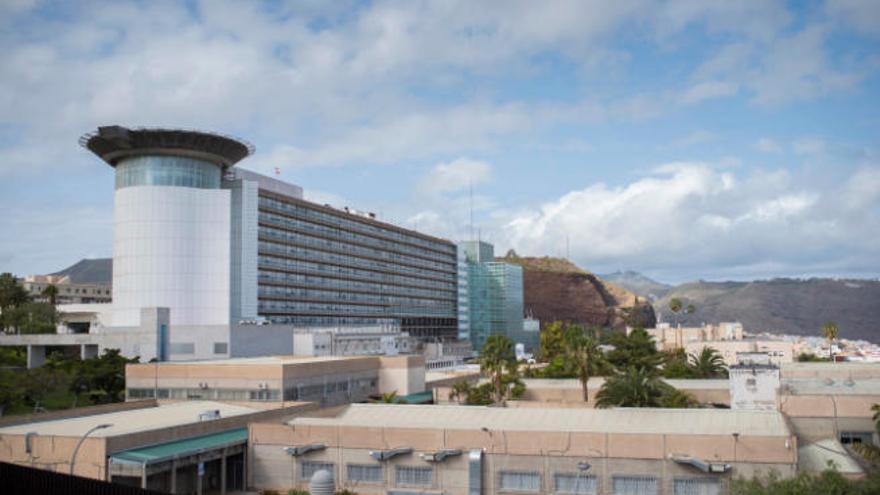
[683,139]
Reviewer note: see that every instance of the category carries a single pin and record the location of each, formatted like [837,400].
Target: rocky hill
[638,284]
[791,306]
[556,289]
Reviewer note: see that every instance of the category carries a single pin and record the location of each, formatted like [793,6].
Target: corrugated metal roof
[617,420]
[179,448]
[130,421]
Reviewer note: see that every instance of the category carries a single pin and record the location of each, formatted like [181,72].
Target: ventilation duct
[475,472]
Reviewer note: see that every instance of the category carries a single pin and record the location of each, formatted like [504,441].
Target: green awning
[181,448]
[419,398]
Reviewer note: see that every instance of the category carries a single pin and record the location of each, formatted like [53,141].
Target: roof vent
[209,415]
[322,483]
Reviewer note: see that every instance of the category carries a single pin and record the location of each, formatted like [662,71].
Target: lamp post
[81,440]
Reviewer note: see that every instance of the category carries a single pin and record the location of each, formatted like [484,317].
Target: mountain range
[780,305]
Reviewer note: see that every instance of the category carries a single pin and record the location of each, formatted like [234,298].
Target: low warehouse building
[378,448]
[186,447]
[276,380]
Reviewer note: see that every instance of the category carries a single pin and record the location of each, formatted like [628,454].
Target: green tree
[707,364]
[830,331]
[497,360]
[582,351]
[641,388]
[389,398]
[808,357]
[552,341]
[102,377]
[51,293]
[828,482]
[676,306]
[675,365]
[10,389]
[634,350]
[460,391]
[32,318]
[12,294]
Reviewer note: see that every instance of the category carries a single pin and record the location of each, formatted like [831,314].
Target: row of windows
[167,171]
[349,260]
[271,306]
[335,284]
[269,292]
[419,476]
[311,272]
[206,394]
[438,263]
[329,321]
[302,211]
[271,261]
[530,481]
[318,391]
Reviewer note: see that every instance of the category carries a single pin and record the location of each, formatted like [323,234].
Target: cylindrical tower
[171,222]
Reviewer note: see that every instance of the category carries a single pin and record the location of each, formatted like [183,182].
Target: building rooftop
[263,360]
[618,420]
[598,381]
[114,143]
[828,386]
[130,421]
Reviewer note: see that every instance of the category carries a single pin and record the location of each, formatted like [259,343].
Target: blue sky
[684,139]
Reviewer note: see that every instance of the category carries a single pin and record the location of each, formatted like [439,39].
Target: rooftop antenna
[471,191]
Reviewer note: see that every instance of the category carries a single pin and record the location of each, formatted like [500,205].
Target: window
[519,481]
[634,485]
[696,486]
[853,437]
[367,473]
[574,483]
[220,347]
[307,469]
[414,476]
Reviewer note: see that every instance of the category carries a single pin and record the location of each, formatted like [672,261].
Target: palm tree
[51,292]
[830,331]
[460,390]
[633,388]
[582,351]
[497,358]
[708,364]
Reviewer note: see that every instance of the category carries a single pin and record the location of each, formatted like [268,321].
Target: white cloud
[864,15]
[690,219]
[708,90]
[768,145]
[808,146]
[455,176]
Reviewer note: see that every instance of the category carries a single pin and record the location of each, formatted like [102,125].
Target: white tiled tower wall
[171,248]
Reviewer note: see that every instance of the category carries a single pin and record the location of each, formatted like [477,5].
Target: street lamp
[79,444]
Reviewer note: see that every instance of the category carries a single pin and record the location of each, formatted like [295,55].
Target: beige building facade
[276,380]
[372,449]
[668,337]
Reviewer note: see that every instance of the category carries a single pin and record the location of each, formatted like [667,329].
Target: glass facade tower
[494,297]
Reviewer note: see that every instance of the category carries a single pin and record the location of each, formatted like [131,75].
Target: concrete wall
[403,374]
[544,452]
[817,417]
